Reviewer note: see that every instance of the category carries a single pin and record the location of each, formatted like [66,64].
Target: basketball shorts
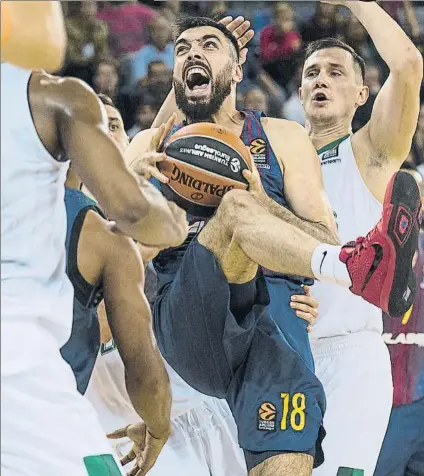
[47,427]
[402,453]
[356,374]
[203,442]
[275,397]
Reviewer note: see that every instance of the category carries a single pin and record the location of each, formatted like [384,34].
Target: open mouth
[197,79]
[320,97]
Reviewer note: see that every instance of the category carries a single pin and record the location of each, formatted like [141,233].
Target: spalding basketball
[205,161]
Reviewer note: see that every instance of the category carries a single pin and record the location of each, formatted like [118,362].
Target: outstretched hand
[241,30]
[145,450]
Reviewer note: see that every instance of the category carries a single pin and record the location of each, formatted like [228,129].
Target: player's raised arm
[395,113]
[139,210]
[33,34]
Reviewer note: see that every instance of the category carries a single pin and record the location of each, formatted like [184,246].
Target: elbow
[410,65]
[127,210]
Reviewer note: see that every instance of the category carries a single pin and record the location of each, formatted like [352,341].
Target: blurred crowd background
[124,49]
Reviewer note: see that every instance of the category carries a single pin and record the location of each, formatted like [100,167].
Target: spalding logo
[235,164]
[191,182]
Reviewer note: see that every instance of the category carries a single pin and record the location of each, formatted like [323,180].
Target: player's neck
[228,115]
[324,134]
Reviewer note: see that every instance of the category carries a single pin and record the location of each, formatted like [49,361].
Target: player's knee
[234,206]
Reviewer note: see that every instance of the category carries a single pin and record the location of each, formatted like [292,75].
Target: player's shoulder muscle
[287,138]
[107,245]
[71,97]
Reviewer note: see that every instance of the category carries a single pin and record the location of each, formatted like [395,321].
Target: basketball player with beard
[223,324]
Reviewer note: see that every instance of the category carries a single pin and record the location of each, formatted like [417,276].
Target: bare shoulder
[113,246]
[283,133]
[105,236]
[288,139]
[281,125]
[67,94]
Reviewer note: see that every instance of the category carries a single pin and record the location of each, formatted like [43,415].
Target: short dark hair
[186,23]
[325,43]
[106,100]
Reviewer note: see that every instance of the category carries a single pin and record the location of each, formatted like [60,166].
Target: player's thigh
[195,330]
[293,464]
[277,401]
[356,374]
[48,428]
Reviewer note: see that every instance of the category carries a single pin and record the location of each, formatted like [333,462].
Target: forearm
[150,392]
[391,42]
[320,231]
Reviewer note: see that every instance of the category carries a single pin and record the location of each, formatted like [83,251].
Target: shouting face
[205,70]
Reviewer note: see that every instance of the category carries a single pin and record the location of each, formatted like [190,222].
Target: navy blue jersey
[83,346]
[281,287]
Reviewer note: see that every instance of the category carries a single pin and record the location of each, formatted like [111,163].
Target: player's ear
[362,96]
[300,93]
[237,73]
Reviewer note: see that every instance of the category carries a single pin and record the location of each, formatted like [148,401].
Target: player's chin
[198,95]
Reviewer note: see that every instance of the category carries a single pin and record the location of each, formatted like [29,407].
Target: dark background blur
[124,49]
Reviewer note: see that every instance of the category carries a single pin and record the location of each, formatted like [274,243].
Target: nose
[321,81]
[194,55]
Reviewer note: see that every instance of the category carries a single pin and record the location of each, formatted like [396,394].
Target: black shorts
[276,400]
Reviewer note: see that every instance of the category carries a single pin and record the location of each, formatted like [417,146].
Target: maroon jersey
[405,340]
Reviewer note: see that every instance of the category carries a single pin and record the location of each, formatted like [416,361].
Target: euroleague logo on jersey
[258,149]
[267,415]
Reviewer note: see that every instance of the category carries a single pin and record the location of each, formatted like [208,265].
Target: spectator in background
[279,43]
[322,25]
[373,81]
[145,114]
[106,78]
[159,49]
[87,40]
[293,108]
[157,83]
[357,37]
[127,23]
[256,99]
[171,9]
[106,81]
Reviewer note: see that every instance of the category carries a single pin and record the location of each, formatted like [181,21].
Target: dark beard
[202,111]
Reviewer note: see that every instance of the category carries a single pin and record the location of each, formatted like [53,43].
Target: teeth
[196,70]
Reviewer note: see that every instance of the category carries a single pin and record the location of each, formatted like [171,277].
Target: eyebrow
[333,65]
[204,38]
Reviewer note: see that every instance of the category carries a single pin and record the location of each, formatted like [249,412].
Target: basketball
[205,161]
